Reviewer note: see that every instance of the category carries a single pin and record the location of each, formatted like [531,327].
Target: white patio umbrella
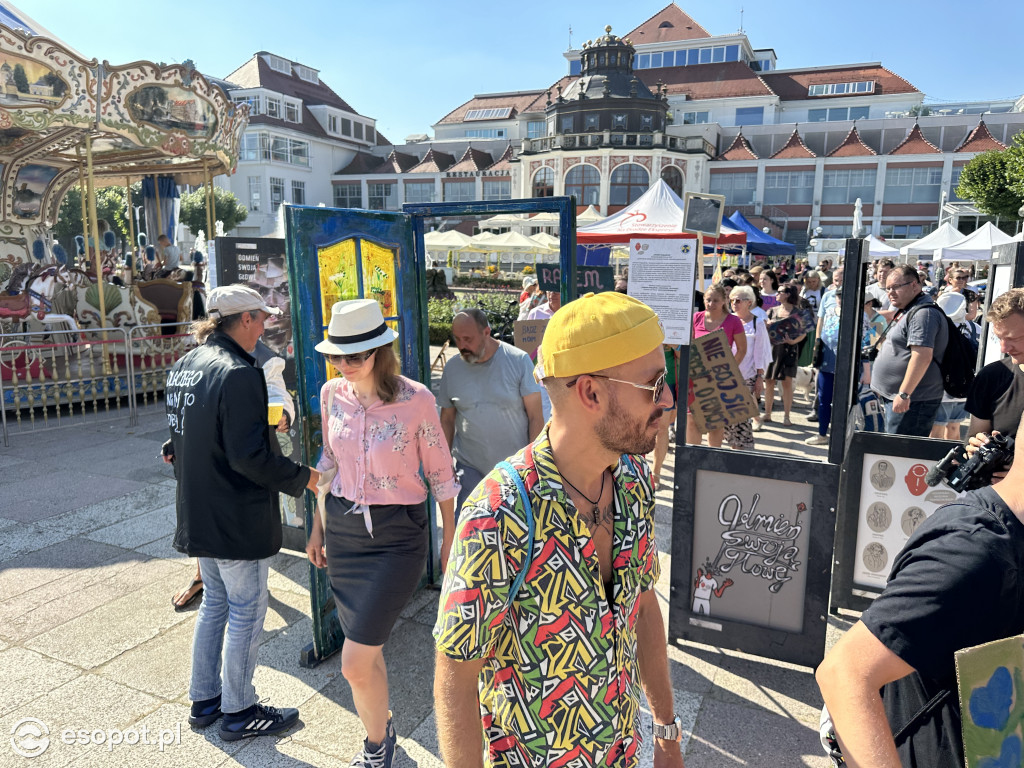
[445,241]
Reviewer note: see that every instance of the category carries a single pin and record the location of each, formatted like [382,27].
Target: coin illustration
[882,475]
[875,557]
[912,517]
[879,517]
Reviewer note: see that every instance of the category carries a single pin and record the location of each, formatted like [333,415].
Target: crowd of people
[547,613]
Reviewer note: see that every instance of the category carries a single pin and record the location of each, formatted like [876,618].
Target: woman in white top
[812,290]
[754,363]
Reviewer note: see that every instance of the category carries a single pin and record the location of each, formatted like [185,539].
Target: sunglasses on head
[357,358]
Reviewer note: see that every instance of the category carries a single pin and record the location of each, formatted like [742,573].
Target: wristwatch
[904,395]
[671,732]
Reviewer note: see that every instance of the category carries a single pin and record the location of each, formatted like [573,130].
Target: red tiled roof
[504,163]
[915,144]
[363,162]
[397,162]
[667,25]
[740,149]
[708,81]
[980,140]
[518,101]
[472,160]
[792,86]
[433,162]
[852,146]
[794,149]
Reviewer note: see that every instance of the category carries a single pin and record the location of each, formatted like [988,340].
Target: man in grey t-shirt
[906,375]
[490,402]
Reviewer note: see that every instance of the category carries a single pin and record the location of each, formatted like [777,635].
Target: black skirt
[373,578]
[784,362]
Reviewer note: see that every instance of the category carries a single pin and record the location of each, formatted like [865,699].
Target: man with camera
[890,683]
[996,399]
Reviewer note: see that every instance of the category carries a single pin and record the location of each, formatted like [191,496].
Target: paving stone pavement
[90,643]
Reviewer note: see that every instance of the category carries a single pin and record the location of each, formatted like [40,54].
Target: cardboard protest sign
[528,334]
[588,279]
[722,397]
[990,679]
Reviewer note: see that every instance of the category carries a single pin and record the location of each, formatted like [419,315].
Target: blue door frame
[310,229]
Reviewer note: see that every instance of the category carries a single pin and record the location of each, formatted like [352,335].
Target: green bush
[440,312]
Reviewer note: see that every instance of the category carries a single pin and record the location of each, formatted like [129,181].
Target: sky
[407,64]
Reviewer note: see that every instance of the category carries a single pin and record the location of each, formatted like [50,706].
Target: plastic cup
[275,410]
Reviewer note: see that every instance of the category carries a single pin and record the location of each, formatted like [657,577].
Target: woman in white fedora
[380,430]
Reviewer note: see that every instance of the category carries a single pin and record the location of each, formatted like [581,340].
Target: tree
[110,206]
[1015,165]
[20,79]
[226,205]
[986,180]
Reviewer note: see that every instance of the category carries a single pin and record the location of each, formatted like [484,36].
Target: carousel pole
[211,213]
[94,229]
[83,192]
[131,230]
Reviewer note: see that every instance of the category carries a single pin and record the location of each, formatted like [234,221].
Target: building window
[536,129]
[954,182]
[620,122]
[567,124]
[346,127]
[835,89]
[299,192]
[274,108]
[255,146]
[291,151]
[494,113]
[646,122]
[749,115]
[906,231]
[357,130]
[837,114]
[291,112]
[276,193]
[544,183]
[279,65]
[370,132]
[836,231]
[844,187]
[696,118]
[459,191]
[584,182]
[643,61]
[255,185]
[348,196]
[788,187]
[382,197]
[500,189]
[674,178]
[592,122]
[307,74]
[738,188]
[485,133]
[628,183]
[332,123]
[419,191]
[254,103]
[913,185]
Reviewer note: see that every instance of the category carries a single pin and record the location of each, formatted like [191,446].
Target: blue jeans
[826,383]
[469,478]
[916,421]
[235,598]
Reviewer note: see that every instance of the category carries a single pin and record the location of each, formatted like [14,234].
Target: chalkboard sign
[588,279]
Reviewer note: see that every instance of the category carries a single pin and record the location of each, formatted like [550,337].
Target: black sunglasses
[355,359]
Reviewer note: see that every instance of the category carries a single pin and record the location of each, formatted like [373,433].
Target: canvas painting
[991,683]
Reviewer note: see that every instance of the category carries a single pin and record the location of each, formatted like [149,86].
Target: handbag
[323,485]
[818,358]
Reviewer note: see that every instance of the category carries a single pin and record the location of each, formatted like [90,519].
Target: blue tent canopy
[757,241]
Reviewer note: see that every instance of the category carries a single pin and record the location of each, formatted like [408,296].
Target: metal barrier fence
[56,377]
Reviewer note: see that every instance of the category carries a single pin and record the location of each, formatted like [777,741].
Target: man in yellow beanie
[548,621]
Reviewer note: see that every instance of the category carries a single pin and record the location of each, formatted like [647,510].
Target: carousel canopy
[140,119]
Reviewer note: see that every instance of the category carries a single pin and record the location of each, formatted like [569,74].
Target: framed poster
[703,213]
[661,273]
[883,497]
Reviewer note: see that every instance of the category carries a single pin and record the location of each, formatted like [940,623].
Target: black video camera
[968,474]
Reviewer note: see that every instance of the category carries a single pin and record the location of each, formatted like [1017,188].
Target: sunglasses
[894,288]
[356,359]
[657,388]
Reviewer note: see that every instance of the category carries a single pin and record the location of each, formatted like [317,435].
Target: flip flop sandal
[176,601]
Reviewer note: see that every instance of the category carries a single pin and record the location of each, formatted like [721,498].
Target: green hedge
[441,311]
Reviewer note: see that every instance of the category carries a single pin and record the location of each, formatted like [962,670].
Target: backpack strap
[511,471]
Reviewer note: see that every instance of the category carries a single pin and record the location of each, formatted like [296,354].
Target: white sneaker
[817,440]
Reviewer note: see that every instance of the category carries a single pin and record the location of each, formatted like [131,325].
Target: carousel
[82,325]
[70,122]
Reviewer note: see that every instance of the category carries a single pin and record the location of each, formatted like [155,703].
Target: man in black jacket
[228,481]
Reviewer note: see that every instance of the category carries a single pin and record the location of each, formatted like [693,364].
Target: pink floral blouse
[379,450]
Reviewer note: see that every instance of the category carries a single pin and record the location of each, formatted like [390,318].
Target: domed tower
[607,96]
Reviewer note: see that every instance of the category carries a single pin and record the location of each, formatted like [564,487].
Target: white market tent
[977,246]
[589,216]
[548,241]
[878,249]
[945,235]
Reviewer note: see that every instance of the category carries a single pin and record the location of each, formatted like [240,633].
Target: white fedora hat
[356,326]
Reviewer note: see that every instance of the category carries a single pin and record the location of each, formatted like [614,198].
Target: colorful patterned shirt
[560,684]
[381,448]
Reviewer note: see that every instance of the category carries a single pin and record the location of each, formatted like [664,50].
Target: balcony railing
[619,140]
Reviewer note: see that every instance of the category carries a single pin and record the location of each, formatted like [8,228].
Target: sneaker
[817,440]
[377,756]
[258,720]
[204,713]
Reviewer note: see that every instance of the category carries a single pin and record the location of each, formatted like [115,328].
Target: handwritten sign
[588,279]
[750,543]
[722,397]
[528,334]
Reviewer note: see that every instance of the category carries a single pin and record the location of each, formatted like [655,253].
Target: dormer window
[279,65]
[307,74]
